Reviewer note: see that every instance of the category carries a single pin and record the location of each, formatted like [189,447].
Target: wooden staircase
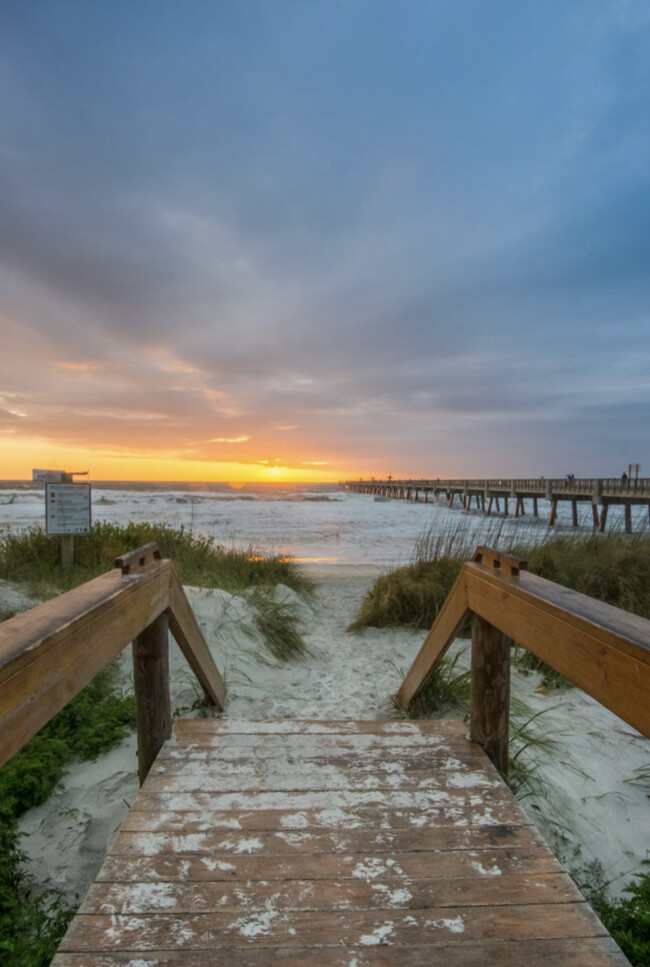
[352,844]
[345,843]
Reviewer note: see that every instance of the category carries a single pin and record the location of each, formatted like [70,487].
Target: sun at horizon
[21,456]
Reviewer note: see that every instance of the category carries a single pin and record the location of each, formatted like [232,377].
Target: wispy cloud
[224,439]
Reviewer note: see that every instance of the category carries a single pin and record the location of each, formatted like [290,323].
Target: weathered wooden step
[369,844]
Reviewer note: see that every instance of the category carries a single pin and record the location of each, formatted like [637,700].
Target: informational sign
[634,469]
[67,508]
[48,476]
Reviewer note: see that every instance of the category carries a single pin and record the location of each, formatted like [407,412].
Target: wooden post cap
[503,562]
[140,559]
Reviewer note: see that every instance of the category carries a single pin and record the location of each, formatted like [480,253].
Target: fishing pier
[491,495]
[292,843]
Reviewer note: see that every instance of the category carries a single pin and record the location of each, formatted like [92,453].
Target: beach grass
[35,558]
[613,567]
[409,596]
[279,624]
[446,691]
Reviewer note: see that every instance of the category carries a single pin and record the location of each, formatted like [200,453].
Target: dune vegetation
[613,567]
[34,558]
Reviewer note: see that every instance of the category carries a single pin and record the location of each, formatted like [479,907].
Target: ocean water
[308,522]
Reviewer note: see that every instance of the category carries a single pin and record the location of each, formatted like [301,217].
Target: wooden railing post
[490,691]
[151,683]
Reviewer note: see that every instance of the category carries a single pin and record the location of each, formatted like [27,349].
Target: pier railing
[48,654]
[600,492]
[600,648]
[584,486]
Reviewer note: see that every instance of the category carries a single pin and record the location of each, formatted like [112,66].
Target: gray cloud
[406,236]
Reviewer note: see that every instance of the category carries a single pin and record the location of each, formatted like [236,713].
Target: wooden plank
[49,654]
[185,629]
[208,748]
[140,840]
[628,632]
[331,894]
[450,618]
[589,642]
[438,729]
[450,777]
[578,952]
[427,801]
[457,924]
[152,812]
[27,635]
[224,867]
[137,838]
[242,776]
[259,761]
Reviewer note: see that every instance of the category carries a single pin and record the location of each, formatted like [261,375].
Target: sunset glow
[21,456]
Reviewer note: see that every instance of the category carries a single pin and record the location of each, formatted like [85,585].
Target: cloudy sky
[324,238]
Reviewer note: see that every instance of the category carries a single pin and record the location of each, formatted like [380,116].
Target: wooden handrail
[600,648]
[48,654]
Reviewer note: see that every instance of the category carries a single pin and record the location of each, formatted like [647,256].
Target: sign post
[67,512]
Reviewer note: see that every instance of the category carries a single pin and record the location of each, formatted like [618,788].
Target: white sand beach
[589,806]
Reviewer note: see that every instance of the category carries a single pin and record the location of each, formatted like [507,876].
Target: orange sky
[21,456]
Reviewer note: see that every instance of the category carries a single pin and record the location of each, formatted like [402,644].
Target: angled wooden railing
[48,654]
[600,648]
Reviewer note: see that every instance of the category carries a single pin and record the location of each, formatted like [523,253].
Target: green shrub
[628,921]
[626,918]
[33,922]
